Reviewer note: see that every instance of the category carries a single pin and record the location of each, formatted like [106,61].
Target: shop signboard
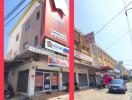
[54,46]
[82,56]
[55,61]
[56,21]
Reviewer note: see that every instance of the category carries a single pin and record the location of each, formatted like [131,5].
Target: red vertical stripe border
[71,54]
[1,50]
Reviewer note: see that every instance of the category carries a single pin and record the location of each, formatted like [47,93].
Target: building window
[55,81]
[38,15]
[17,37]
[15,53]
[36,40]
[27,25]
[24,45]
[39,81]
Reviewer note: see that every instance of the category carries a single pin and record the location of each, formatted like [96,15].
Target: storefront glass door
[47,81]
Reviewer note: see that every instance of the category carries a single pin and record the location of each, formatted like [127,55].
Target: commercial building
[37,56]
[104,61]
[99,63]
[84,68]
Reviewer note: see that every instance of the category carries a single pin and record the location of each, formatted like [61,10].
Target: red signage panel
[56,21]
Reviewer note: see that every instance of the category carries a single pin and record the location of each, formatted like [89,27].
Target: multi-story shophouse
[37,55]
[99,63]
[84,68]
[104,61]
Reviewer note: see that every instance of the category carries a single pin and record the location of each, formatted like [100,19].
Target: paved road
[90,94]
[94,94]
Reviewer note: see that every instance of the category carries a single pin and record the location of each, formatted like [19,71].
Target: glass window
[15,53]
[27,25]
[17,37]
[36,40]
[38,15]
[24,45]
[117,81]
[38,81]
[54,81]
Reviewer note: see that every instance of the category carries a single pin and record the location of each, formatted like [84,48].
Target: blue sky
[8,5]
[91,15]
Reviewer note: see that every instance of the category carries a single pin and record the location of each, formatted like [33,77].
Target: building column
[77,79]
[31,82]
[88,78]
[60,81]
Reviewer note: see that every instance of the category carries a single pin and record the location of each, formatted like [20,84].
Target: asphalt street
[102,94]
[88,94]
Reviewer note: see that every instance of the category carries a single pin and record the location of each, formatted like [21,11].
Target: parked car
[117,85]
[8,90]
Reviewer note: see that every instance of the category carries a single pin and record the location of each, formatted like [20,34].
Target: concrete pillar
[60,81]
[77,79]
[88,78]
[31,82]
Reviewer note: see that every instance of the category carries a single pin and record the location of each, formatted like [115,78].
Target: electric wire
[116,41]
[128,23]
[105,25]
[14,9]
[17,14]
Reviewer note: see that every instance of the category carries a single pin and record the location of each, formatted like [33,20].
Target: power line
[112,18]
[128,65]
[118,39]
[126,60]
[13,10]
[16,14]
[128,23]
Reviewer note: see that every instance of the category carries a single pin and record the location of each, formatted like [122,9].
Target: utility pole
[128,23]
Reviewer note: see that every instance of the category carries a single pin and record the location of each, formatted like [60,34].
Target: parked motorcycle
[8,90]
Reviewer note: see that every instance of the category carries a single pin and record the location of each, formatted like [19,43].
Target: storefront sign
[59,35]
[56,17]
[41,51]
[54,46]
[61,5]
[54,61]
[82,56]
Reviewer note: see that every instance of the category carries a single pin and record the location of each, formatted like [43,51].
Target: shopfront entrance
[46,81]
[83,80]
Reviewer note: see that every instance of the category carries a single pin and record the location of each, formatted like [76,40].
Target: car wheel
[109,91]
[124,92]
[126,89]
